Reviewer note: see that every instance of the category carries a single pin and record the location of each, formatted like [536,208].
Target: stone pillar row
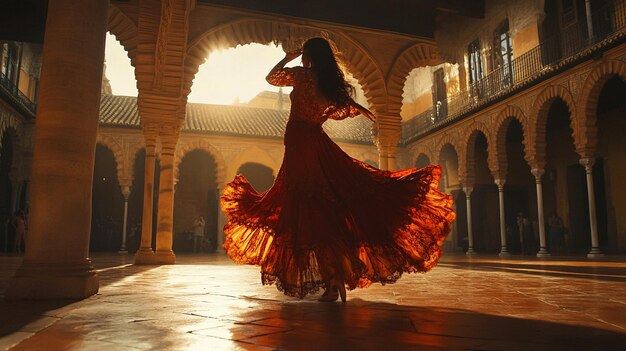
[538,172]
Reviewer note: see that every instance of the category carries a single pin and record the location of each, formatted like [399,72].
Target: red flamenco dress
[328,215]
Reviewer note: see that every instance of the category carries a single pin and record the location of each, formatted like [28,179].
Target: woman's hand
[365,112]
[293,54]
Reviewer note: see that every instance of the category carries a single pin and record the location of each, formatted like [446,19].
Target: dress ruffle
[329,214]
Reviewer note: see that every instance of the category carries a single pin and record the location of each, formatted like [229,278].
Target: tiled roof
[121,111]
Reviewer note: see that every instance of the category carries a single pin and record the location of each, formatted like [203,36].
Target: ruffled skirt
[330,215]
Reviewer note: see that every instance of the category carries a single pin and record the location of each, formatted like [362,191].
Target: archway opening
[107,203]
[485,203]
[196,195]
[565,182]
[422,161]
[610,190]
[519,191]
[260,176]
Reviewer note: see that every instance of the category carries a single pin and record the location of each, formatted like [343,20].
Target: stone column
[593,221]
[165,215]
[126,194]
[56,265]
[504,252]
[470,235]
[543,251]
[388,130]
[145,254]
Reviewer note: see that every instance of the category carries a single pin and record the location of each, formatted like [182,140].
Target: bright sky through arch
[236,73]
[227,75]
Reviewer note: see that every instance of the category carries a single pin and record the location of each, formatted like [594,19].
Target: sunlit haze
[236,74]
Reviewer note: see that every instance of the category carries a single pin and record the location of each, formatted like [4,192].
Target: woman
[329,220]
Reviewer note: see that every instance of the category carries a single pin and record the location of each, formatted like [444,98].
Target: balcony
[10,92]
[550,57]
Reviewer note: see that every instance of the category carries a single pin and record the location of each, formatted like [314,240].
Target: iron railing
[547,57]
[13,93]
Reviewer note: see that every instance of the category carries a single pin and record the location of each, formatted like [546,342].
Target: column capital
[588,163]
[538,173]
[500,183]
[125,192]
[468,191]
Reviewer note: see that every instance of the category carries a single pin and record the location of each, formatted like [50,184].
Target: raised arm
[280,76]
[351,110]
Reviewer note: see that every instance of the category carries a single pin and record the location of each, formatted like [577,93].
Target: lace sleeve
[283,77]
[332,112]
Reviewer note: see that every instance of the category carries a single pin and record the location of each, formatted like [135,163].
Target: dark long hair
[330,78]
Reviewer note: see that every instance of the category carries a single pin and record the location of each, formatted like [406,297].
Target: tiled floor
[207,303]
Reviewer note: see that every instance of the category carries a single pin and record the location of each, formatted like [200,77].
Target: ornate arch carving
[587,133]
[467,162]
[246,31]
[417,55]
[501,125]
[539,117]
[118,154]
[124,30]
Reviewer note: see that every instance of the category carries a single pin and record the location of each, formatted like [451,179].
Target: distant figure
[557,232]
[525,233]
[20,231]
[198,233]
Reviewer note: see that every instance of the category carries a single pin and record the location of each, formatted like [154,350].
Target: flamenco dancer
[329,220]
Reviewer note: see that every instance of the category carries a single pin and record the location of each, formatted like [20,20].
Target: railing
[524,69]
[13,92]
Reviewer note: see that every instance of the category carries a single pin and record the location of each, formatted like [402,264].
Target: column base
[595,253]
[470,252]
[144,256]
[504,253]
[45,280]
[543,252]
[123,251]
[164,257]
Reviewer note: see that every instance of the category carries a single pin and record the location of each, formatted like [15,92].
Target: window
[475,63]
[503,53]
[9,62]
[568,13]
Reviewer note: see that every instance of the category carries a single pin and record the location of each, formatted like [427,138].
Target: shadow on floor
[362,325]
